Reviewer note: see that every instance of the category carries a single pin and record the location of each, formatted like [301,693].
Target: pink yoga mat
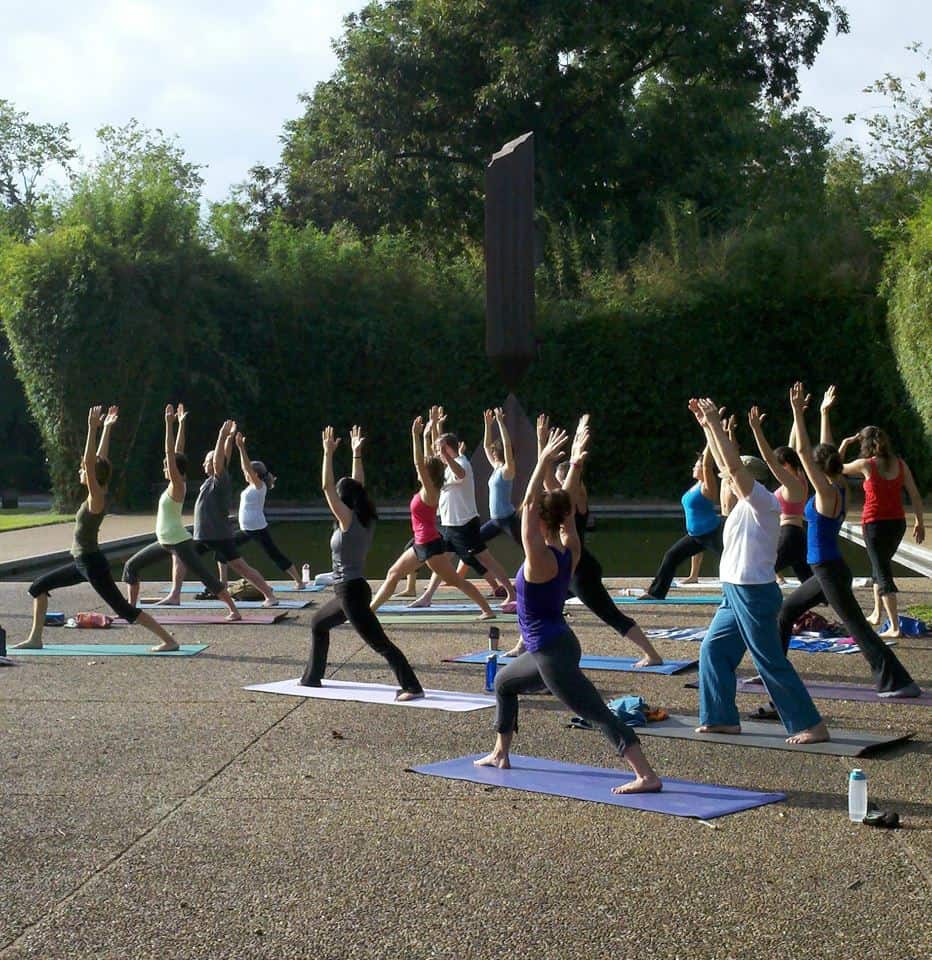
[190,617]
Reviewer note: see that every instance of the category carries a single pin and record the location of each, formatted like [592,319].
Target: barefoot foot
[491,615]
[172,600]
[405,696]
[27,644]
[817,734]
[648,661]
[640,785]
[891,633]
[494,759]
[718,728]
[165,647]
[515,651]
[233,617]
[270,602]
[420,602]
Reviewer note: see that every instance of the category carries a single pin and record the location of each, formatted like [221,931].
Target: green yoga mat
[106,650]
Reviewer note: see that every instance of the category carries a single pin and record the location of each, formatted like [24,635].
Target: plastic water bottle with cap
[306,573]
[491,661]
[857,796]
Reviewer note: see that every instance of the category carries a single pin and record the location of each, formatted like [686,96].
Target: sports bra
[790,508]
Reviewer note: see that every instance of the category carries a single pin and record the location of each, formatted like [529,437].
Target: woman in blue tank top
[551,546]
[703,525]
[831,583]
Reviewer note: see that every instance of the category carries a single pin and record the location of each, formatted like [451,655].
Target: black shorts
[466,541]
[424,551]
[224,550]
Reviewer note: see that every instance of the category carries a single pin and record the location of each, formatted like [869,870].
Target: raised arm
[250,475]
[543,432]
[220,446]
[540,564]
[488,416]
[783,475]
[228,445]
[915,502]
[357,440]
[511,467]
[95,494]
[825,420]
[420,458]
[181,414]
[341,512]
[823,486]
[175,478]
[723,450]
[578,453]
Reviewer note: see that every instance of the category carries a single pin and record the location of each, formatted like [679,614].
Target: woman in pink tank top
[428,545]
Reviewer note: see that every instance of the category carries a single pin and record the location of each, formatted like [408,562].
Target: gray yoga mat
[772,736]
[820,690]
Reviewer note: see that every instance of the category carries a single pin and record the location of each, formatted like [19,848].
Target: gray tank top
[86,530]
[349,550]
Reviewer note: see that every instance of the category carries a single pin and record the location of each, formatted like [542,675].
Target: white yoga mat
[449,700]
[790,583]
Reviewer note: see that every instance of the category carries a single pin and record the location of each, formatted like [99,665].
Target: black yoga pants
[264,539]
[556,668]
[587,585]
[186,552]
[352,603]
[882,539]
[791,552]
[833,581]
[91,568]
[683,549]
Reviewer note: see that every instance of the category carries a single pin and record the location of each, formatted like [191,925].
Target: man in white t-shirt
[460,526]
[751,600]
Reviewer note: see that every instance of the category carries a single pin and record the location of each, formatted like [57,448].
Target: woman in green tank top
[89,563]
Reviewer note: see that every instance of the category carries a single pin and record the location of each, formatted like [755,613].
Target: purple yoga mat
[841,691]
[679,798]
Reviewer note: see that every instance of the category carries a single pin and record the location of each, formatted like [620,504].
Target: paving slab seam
[68,898]
[914,856]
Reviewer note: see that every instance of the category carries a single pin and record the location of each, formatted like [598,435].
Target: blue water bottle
[491,661]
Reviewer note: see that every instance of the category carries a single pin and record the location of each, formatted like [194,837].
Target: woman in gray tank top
[355,517]
[89,565]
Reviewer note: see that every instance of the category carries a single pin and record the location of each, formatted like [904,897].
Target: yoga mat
[449,700]
[283,586]
[394,619]
[669,601]
[253,618]
[107,650]
[401,608]
[149,602]
[808,643]
[679,798]
[772,736]
[592,663]
[841,691]
[790,583]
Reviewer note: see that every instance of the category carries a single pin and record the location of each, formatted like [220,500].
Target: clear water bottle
[857,796]
[306,573]
[491,661]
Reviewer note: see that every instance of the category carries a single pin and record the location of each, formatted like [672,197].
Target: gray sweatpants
[556,668]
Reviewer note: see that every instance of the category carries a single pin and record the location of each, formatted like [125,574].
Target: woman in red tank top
[884,519]
[428,546]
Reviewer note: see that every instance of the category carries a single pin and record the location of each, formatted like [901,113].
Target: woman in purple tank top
[551,661]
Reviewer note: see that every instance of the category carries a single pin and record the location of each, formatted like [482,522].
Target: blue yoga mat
[679,798]
[670,601]
[282,586]
[592,663]
[106,650]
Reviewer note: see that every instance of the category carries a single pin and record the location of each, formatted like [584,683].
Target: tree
[426,90]
[27,151]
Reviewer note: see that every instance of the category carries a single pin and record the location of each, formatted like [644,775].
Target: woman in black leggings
[89,563]
[825,513]
[355,517]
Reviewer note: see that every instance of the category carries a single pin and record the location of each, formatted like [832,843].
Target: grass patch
[921,611]
[22,518]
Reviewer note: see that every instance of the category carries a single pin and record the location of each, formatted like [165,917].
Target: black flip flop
[763,713]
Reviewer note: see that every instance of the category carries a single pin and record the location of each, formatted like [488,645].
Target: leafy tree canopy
[622,98]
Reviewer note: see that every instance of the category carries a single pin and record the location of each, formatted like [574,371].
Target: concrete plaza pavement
[154,808]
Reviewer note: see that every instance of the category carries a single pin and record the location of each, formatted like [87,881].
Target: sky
[225,75]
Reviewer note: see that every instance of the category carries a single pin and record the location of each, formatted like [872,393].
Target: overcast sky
[224,75]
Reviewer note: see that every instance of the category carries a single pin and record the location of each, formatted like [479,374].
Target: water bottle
[306,573]
[491,661]
[857,796]
[2,642]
